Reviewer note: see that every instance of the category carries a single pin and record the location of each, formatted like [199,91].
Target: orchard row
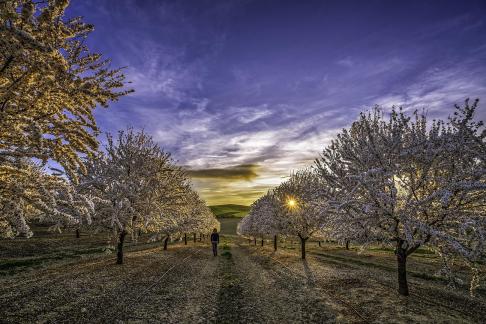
[398,179]
[50,84]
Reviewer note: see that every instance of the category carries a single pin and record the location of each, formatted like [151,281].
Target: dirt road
[186,284]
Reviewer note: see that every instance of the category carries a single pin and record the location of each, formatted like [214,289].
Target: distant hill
[230,211]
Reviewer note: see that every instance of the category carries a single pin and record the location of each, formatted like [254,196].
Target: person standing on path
[215,241]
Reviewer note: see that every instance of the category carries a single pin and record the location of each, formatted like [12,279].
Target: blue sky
[244,92]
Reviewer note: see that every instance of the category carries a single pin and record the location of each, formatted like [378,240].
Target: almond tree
[263,217]
[133,182]
[249,225]
[298,206]
[50,83]
[405,181]
[302,205]
[37,195]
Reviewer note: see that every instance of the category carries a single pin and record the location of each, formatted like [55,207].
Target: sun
[291,202]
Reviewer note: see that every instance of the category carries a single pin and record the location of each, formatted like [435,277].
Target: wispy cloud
[347,62]
[242,101]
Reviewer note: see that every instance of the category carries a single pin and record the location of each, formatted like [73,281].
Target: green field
[228,225]
[230,210]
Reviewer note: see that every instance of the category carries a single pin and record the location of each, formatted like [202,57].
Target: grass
[226,254]
[230,211]
[228,225]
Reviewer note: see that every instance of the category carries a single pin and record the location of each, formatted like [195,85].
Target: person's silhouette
[215,241]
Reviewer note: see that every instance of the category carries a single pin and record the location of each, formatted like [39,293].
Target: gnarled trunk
[119,254]
[166,240]
[402,268]
[275,242]
[302,245]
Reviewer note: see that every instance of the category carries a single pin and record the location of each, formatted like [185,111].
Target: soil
[243,284]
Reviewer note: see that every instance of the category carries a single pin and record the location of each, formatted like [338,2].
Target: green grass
[230,211]
[226,254]
[228,225]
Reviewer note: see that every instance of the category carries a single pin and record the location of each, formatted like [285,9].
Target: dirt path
[186,284]
[269,294]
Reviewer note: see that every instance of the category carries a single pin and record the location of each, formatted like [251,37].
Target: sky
[242,93]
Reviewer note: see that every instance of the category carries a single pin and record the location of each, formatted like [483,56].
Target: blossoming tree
[406,181]
[50,83]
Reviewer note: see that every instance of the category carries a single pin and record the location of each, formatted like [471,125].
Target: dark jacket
[215,237]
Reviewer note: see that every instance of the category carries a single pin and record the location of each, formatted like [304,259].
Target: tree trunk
[194,236]
[200,237]
[119,254]
[165,242]
[139,232]
[185,238]
[275,242]
[347,244]
[319,243]
[262,241]
[254,240]
[78,235]
[402,269]
[302,246]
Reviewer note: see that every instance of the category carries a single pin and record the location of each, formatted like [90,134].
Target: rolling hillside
[230,211]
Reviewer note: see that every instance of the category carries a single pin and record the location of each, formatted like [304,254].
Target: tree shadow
[311,279]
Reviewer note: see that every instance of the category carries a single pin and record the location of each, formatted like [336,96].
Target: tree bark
[194,236]
[302,246]
[402,269]
[275,242]
[166,240]
[78,235]
[262,241]
[185,238]
[319,243]
[347,244]
[254,240]
[119,254]
[7,63]
[200,237]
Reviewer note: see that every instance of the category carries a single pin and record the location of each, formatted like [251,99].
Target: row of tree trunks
[400,252]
